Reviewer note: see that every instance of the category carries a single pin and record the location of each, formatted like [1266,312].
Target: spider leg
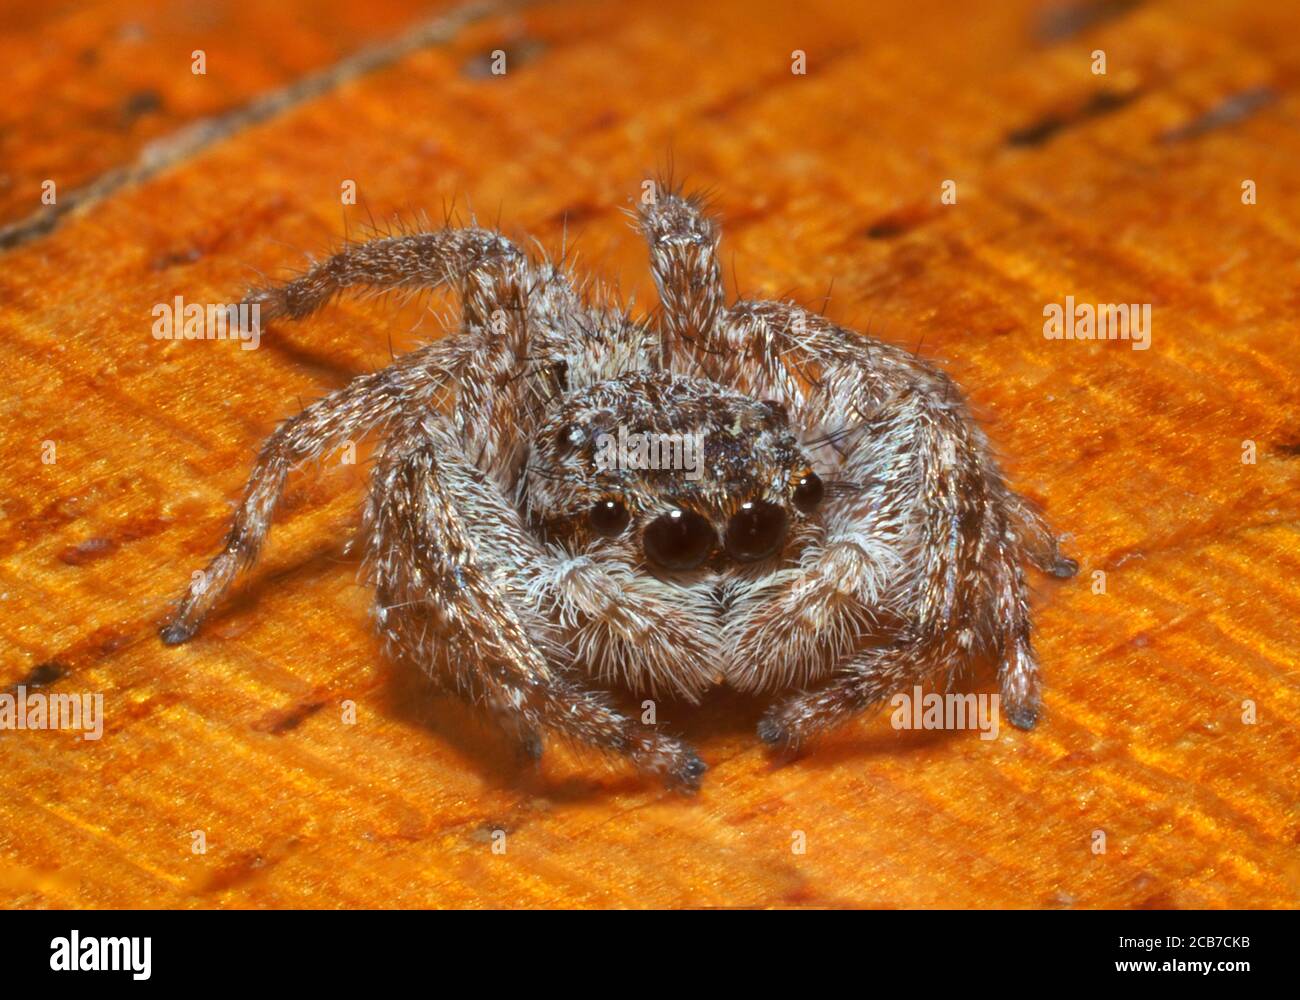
[928,495]
[446,555]
[495,280]
[365,402]
[1041,544]
[479,262]
[510,312]
[953,533]
[1018,675]
[932,519]
[801,622]
[865,681]
[850,586]
[684,261]
[872,676]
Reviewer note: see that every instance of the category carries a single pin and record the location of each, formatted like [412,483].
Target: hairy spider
[845,534]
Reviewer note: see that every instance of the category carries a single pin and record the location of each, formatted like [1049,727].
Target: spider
[848,534]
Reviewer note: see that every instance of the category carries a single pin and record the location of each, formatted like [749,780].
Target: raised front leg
[484,266]
[684,261]
[494,280]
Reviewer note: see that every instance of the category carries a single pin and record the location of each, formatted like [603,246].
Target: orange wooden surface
[1117,188]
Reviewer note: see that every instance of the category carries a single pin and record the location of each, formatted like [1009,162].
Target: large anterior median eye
[808,492]
[608,518]
[678,540]
[756,531]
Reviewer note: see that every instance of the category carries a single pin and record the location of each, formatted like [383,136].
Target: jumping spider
[850,533]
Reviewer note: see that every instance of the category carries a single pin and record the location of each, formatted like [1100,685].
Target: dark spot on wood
[901,221]
[142,527]
[1037,133]
[87,551]
[1227,112]
[60,512]
[737,99]
[884,228]
[1289,450]
[278,723]
[242,870]
[105,545]
[1065,20]
[571,215]
[44,674]
[184,143]
[800,895]
[603,121]
[175,257]
[1103,102]
[518,53]
[103,641]
[109,639]
[141,102]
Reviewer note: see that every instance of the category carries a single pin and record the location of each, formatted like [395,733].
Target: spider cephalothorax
[566,500]
[703,474]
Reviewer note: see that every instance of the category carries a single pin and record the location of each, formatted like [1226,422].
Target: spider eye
[756,531]
[808,492]
[678,540]
[608,518]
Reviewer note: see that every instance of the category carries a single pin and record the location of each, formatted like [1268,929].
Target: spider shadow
[724,719]
[721,715]
[408,695]
[873,734]
[835,751]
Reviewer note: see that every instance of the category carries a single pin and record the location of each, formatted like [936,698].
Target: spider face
[679,472]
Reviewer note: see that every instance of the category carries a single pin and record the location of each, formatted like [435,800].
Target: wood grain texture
[99,92]
[1117,188]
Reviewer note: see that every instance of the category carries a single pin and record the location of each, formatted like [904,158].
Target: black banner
[213,948]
